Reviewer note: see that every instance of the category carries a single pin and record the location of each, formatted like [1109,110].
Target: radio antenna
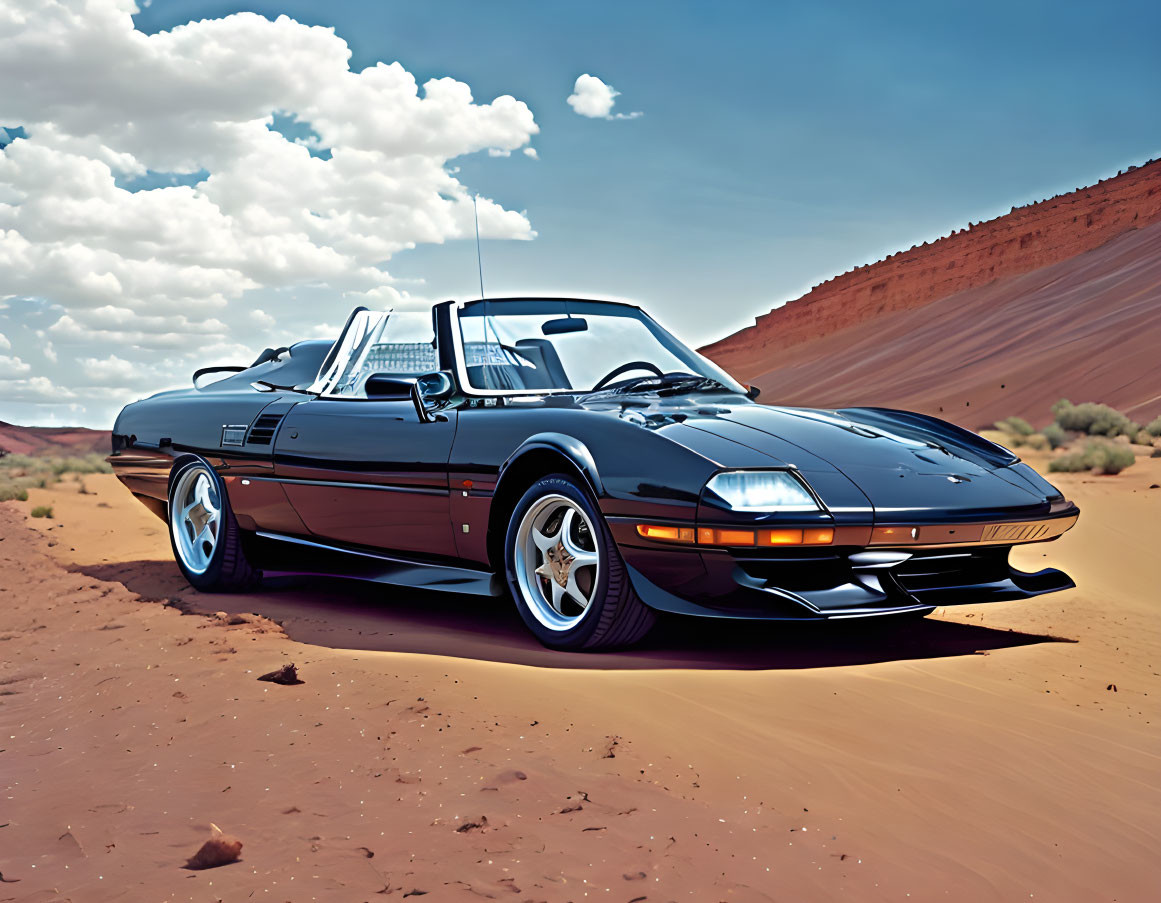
[480,263]
[479,256]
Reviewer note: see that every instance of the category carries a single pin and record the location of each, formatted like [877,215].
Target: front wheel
[566,574]
[206,539]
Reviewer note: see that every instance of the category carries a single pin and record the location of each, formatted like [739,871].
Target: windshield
[377,342]
[540,345]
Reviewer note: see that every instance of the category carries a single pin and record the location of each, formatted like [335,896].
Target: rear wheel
[206,539]
[566,574]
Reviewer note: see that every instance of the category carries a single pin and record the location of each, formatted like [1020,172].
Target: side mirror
[431,386]
[753,391]
[436,386]
[383,387]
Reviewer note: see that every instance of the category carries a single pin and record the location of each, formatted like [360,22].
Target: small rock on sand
[286,675]
[221,849]
[481,825]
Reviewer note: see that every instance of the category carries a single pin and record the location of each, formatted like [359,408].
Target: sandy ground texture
[1005,752]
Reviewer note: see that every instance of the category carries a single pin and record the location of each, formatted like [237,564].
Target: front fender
[569,446]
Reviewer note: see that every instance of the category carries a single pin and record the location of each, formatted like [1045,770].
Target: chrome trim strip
[992,534]
[124,460]
[339,484]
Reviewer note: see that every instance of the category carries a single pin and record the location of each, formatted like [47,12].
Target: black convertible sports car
[574,454]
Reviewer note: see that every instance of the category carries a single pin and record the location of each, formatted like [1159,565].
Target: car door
[369,473]
[366,471]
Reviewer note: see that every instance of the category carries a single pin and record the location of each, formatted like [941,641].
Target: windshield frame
[577,307]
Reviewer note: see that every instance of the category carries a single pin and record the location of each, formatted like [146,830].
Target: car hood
[905,465]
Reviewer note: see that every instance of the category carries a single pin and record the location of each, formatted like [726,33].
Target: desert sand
[1004,752]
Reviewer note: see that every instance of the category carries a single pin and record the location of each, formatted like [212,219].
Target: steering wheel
[627,368]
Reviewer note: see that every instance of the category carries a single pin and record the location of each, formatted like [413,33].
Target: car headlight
[761,490]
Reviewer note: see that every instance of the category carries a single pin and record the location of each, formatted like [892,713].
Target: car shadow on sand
[347,614]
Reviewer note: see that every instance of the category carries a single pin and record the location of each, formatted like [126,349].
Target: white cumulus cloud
[110,371]
[591,97]
[37,389]
[159,273]
[12,367]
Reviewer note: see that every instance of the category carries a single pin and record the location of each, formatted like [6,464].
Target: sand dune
[433,747]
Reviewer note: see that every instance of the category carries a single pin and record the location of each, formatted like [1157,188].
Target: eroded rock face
[1024,240]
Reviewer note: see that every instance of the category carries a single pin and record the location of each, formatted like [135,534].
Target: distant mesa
[54,441]
[1057,298]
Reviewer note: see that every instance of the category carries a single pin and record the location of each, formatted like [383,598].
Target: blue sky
[157,214]
[781,143]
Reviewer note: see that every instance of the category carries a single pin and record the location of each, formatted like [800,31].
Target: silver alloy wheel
[195,514]
[556,561]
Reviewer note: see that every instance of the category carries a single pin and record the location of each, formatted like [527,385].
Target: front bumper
[888,574]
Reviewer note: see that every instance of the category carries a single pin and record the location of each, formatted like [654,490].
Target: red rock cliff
[1026,239]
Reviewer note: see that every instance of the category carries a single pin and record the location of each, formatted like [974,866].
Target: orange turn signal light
[894,535]
[666,534]
[779,537]
[729,536]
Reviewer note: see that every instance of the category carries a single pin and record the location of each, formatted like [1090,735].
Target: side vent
[263,430]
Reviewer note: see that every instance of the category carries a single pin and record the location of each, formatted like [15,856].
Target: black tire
[228,569]
[615,616]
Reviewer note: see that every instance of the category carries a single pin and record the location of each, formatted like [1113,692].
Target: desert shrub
[1055,435]
[22,472]
[1036,441]
[1100,457]
[1153,428]
[13,493]
[1144,437]
[1110,459]
[1016,426]
[1093,419]
[42,511]
[91,463]
[19,462]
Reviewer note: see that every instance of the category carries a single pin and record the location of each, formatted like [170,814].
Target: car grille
[936,571]
[800,573]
